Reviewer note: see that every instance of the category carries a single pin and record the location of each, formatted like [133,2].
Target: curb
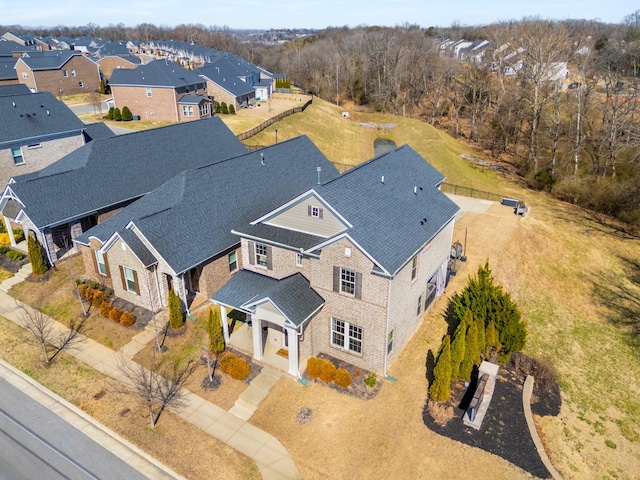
[136,458]
[526,404]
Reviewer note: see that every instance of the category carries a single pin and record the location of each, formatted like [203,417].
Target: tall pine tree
[441,386]
[471,352]
[457,349]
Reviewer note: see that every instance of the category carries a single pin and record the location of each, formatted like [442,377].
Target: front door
[194,279]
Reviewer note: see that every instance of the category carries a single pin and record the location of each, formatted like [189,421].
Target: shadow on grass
[620,295]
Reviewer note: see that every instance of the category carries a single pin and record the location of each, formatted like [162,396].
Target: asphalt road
[37,444]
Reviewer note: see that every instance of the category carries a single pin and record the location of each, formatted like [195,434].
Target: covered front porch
[277,312]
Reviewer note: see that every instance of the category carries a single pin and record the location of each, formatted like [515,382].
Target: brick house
[348,267]
[37,130]
[64,72]
[82,189]
[109,63]
[225,87]
[157,91]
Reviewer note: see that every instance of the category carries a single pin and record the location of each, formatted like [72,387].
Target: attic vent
[415,190]
[14,103]
[48,112]
[382,179]
[423,221]
[261,158]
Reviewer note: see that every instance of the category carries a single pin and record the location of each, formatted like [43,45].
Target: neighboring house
[36,130]
[227,89]
[179,235]
[24,39]
[103,176]
[348,267]
[264,89]
[109,63]
[155,91]
[14,89]
[8,75]
[65,72]
[13,49]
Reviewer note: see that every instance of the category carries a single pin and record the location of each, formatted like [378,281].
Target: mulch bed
[504,431]
[143,316]
[11,265]
[358,388]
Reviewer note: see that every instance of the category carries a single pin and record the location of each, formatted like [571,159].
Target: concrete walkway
[259,388]
[272,459]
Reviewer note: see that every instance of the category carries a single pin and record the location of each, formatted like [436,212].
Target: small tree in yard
[224,109]
[214,344]
[117,116]
[127,116]
[491,337]
[441,386]
[482,342]
[232,109]
[46,333]
[176,317]
[110,113]
[36,256]
[158,385]
[471,352]
[457,350]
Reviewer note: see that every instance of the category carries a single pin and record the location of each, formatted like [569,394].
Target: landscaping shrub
[224,109]
[18,235]
[115,314]
[314,367]
[82,290]
[343,377]
[440,388]
[232,110]
[235,366]
[371,380]
[3,249]
[36,257]
[110,113]
[105,309]
[176,317]
[13,255]
[458,347]
[327,371]
[4,239]
[117,116]
[127,319]
[97,298]
[127,116]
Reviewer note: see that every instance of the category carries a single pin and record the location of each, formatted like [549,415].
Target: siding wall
[54,81]
[109,64]
[297,218]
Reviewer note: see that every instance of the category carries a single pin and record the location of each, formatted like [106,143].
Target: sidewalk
[272,459]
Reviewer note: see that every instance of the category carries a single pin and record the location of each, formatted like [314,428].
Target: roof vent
[48,112]
[415,190]
[382,179]
[261,158]
[14,103]
[318,169]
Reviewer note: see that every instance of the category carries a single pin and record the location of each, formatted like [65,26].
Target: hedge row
[326,371]
[98,298]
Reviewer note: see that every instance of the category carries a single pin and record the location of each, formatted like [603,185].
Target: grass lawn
[178,444]
[59,301]
[4,274]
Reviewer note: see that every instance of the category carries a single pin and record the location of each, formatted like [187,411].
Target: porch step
[271,372]
[242,409]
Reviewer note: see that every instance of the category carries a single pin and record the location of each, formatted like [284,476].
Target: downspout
[386,337]
[184,295]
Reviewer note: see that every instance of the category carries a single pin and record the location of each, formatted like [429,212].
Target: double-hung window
[414,268]
[65,73]
[346,335]
[233,261]
[187,110]
[129,280]
[419,305]
[299,259]
[73,73]
[16,153]
[25,75]
[101,263]
[149,93]
[347,281]
[261,255]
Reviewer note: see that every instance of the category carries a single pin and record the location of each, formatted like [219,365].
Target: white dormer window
[315,212]
[149,94]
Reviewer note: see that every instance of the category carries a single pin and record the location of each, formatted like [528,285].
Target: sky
[267,14]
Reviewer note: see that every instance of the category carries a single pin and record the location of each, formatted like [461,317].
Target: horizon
[316,15]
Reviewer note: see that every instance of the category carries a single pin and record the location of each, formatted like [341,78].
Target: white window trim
[149,93]
[346,343]
[343,281]
[65,73]
[390,341]
[25,75]
[100,262]
[260,256]
[16,156]
[315,211]
[414,269]
[127,279]
[299,260]
[234,261]
[73,72]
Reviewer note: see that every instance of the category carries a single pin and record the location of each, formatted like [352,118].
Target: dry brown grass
[175,442]
[4,274]
[57,297]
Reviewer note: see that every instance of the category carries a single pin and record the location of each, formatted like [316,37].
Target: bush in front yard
[328,371]
[13,255]
[36,257]
[235,366]
[127,319]
[176,317]
[127,116]
[343,377]
[105,309]
[115,314]
[440,388]
[314,367]
[117,116]
[97,298]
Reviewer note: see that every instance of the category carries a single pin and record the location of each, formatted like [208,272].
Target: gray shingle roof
[207,203]
[50,60]
[7,69]
[93,131]
[159,73]
[34,118]
[117,169]
[192,100]
[10,90]
[225,80]
[139,249]
[292,295]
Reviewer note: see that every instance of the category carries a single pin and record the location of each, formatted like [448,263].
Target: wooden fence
[272,120]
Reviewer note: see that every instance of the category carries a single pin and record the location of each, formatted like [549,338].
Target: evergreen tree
[441,386]
[232,109]
[176,317]
[102,89]
[110,113]
[215,336]
[117,116]
[36,256]
[458,348]
[491,336]
[482,343]
[224,109]
[471,352]
[126,114]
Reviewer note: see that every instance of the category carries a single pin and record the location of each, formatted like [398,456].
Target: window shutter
[320,210]
[106,264]
[336,279]
[358,285]
[252,253]
[95,261]
[269,259]
[309,210]
[135,281]
[124,280]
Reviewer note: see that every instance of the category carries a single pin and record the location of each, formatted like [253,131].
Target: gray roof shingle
[34,118]
[219,197]
[226,80]
[292,295]
[158,73]
[10,90]
[50,60]
[117,169]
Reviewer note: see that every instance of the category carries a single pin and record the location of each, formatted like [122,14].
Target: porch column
[292,342]
[225,323]
[256,326]
[7,223]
